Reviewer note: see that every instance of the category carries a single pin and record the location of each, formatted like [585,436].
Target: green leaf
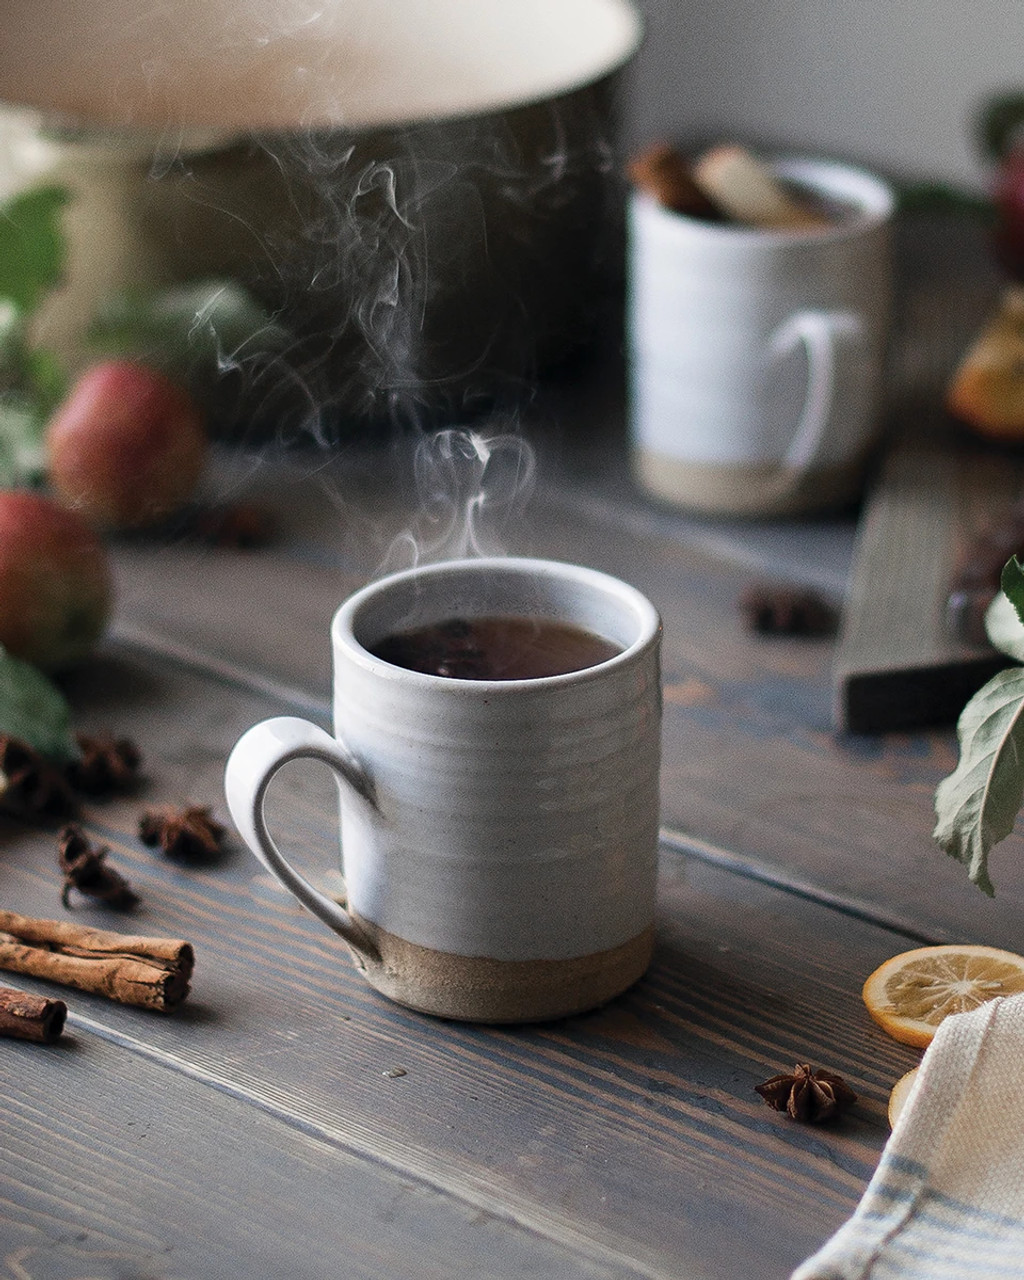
[1004,628]
[977,804]
[941,198]
[32,248]
[1012,582]
[45,378]
[22,448]
[201,325]
[34,710]
[12,344]
[999,123]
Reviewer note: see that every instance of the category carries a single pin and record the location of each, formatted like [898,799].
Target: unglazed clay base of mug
[478,989]
[750,489]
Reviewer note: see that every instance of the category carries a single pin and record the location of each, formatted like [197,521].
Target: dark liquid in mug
[498,648]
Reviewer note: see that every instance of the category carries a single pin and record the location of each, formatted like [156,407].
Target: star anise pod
[810,1096]
[106,765]
[183,834]
[30,784]
[86,870]
[786,611]
[242,527]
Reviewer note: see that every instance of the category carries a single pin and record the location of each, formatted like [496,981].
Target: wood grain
[127,1183]
[898,667]
[752,762]
[630,1138]
[898,663]
[288,1121]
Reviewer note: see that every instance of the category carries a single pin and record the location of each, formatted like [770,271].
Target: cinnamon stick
[665,174]
[28,1017]
[748,191]
[153,973]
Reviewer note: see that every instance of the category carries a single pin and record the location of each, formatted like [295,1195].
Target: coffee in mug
[756,356]
[498,809]
[496,648]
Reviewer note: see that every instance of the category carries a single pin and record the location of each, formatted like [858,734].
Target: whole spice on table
[28,1017]
[664,173]
[806,1095]
[748,190]
[107,765]
[85,869]
[770,609]
[30,784]
[242,527]
[153,973]
[183,834]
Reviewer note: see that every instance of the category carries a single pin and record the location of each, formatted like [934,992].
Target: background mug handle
[257,756]
[820,332]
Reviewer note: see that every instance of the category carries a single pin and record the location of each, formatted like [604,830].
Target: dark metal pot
[425,262]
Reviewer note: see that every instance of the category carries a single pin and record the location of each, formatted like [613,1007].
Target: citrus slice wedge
[899,1095]
[909,995]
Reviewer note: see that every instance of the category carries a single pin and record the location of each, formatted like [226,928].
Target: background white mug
[499,838]
[756,356]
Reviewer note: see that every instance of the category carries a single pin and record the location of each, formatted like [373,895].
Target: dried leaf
[977,804]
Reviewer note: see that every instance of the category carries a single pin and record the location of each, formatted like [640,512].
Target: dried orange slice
[899,1095]
[987,390]
[909,995]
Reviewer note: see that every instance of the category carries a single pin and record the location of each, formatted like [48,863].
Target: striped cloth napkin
[947,1199]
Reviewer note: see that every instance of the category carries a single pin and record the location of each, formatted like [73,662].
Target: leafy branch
[33,257]
[977,805]
[195,329]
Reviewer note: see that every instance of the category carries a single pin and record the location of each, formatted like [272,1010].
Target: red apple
[1008,194]
[55,586]
[1000,134]
[127,447]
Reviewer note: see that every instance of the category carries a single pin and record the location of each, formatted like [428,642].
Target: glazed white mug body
[756,357]
[499,838]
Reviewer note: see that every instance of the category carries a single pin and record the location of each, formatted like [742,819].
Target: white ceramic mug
[756,356]
[499,838]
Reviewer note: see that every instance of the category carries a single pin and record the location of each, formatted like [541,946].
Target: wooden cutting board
[899,665]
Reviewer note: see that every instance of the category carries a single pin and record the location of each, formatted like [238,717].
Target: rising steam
[472,487]
[422,275]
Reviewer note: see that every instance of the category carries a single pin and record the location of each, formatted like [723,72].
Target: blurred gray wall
[892,83]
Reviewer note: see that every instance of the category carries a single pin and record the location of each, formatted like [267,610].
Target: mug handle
[820,332]
[257,756]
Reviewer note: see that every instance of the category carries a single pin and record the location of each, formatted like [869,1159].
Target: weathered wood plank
[898,666]
[898,663]
[626,1142]
[752,762]
[554,1127]
[116,1164]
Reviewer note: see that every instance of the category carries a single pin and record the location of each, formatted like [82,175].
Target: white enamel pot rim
[345,64]
[272,144]
[354,616]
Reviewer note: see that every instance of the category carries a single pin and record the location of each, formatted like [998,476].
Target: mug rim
[869,214]
[343,635]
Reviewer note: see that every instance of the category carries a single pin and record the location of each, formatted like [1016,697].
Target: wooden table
[288,1122]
